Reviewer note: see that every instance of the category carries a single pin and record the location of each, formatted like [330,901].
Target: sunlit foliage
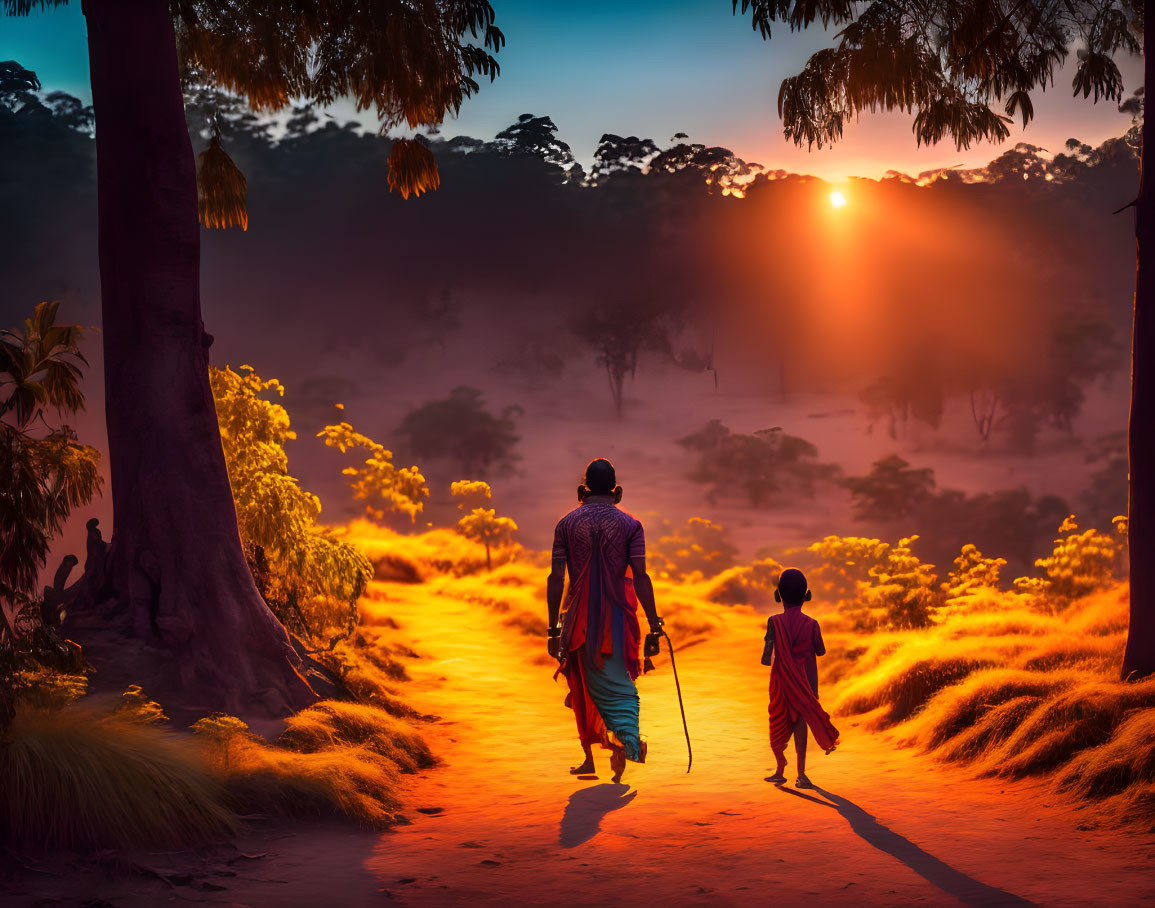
[481,524]
[1080,564]
[973,571]
[892,588]
[378,482]
[470,493]
[310,577]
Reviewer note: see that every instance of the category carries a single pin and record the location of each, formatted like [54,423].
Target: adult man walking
[595,631]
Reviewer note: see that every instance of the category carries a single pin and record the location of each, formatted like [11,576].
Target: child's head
[792,588]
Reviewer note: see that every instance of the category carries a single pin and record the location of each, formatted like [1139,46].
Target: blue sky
[645,68]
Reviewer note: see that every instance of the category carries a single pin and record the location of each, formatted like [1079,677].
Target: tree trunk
[1139,659]
[183,592]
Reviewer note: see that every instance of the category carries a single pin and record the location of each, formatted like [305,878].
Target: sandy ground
[501,821]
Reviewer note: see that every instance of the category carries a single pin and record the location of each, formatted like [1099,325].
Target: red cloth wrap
[791,696]
[591,728]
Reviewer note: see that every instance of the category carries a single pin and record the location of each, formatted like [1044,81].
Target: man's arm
[643,586]
[555,585]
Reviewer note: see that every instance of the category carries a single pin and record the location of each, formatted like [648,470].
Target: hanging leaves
[412,168]
[221,189]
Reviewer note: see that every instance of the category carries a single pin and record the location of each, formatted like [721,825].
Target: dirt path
[885,827]
[501,821]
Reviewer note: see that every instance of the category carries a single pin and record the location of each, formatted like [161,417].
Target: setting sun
[837,199]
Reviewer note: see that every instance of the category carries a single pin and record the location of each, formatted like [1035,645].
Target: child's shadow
[583,813]
[966,889]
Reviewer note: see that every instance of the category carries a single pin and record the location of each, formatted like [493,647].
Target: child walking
[793,643]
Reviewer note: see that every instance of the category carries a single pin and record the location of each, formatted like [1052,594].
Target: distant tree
[756,467]
[381,484]
[898,498]
[481,524]
[891,490]
[310,578]
[1050,389]
[900,396]
[413,62]
[715,167]
[460,429]
[618,156]
[534,137]
[619,332]
[946,62]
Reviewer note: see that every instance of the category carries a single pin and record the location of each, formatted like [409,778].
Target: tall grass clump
[78,779]
[334,757]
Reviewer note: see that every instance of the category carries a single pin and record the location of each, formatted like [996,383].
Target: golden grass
[1014,691]
[78,779]
[334,757]
[333,723]
[351,780]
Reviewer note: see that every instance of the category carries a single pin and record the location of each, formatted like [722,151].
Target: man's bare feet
[585,769]
[779,777]
[618,763]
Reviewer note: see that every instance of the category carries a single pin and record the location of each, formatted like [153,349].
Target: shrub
[973,571]
[1081,563]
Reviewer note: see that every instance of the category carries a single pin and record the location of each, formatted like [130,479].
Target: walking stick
[681,706]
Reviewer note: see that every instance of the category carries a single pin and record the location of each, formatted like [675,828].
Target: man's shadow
[966,889]
[583,813]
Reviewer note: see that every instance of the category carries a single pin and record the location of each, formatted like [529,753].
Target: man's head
[792,588]
[600,478]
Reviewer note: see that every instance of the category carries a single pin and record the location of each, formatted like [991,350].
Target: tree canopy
[949,63]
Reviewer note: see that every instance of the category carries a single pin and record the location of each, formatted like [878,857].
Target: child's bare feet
[803,782]
[618,763]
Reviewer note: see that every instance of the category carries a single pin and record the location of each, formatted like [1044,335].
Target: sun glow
[837,199]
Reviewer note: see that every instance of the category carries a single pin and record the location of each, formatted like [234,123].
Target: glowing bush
[310,577]
[1081,563]
[973,571]
[378,481]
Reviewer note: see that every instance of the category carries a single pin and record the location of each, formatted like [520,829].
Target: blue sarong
[614,694]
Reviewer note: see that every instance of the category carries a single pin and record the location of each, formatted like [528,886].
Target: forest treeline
[1006,288]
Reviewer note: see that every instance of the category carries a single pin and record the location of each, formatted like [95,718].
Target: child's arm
[819,646]
[768,650]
